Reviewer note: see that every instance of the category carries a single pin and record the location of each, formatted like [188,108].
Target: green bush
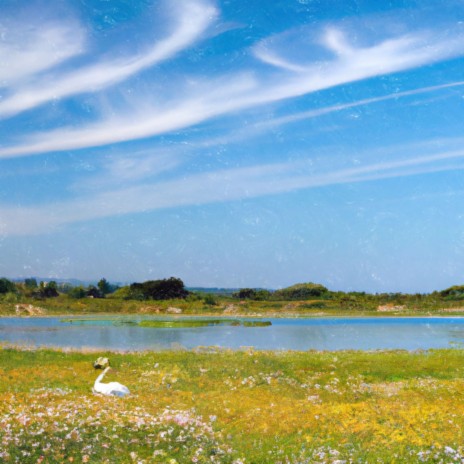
[210,300]
[252,294]
[78,292]
[11,297]
[302,292]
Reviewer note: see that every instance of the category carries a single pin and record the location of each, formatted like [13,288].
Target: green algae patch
[168,324]
[92,321]
[256,323]
[178,324]
[184,324]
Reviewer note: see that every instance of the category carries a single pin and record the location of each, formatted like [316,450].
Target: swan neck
[100,377]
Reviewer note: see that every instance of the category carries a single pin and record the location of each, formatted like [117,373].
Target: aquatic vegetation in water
[203,323]
[187,323]
[169,324]
[95,321]
[256,323]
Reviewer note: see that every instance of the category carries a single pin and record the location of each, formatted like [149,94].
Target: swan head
[101,363]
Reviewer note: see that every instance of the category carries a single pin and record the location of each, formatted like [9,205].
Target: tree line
[174,288]
[163,289]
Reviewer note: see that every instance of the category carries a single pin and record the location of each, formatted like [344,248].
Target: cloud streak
[344,106]
[152,179]
[190,23]
[234,91]
[26,51]
[221,186]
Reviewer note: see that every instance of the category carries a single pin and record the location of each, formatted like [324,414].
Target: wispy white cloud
[238,91]
[269,56]
[191,20]
[335,40]
[142,165]
[343,106]
[131,184]
[117,170]
[388,56]
[26,51]
[140,121]
[225,185]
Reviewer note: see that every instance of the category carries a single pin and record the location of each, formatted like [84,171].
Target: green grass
[227,306]
[234,406]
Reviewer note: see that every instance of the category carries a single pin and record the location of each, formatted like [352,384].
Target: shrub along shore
[220,406]
[223,306]
[166,296]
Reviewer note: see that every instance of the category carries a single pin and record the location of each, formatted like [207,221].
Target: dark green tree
[49,290]
[245,294]
[262,294]
[94,292]
[31,283]
[6,286]
[77,292]
[164,289]
[104,286]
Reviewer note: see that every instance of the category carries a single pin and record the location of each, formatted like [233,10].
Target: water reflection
[283,334]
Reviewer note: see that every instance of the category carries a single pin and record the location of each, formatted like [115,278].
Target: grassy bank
[234,407]
[227,306]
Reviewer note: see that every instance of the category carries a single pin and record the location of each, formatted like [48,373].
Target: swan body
[110,388]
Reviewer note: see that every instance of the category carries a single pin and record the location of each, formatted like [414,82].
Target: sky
[234,143]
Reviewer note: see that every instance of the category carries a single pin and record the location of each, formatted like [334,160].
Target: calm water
[295,334]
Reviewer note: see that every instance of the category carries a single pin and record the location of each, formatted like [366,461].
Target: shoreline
[370,315]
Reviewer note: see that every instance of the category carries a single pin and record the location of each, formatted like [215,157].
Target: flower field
[214,406]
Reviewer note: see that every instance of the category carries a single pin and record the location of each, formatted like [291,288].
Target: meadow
[220,406]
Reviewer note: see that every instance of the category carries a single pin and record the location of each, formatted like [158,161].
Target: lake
[123,333]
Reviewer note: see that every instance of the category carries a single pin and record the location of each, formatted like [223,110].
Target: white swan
[111,388]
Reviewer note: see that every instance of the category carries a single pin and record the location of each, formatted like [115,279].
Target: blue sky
[234,143]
